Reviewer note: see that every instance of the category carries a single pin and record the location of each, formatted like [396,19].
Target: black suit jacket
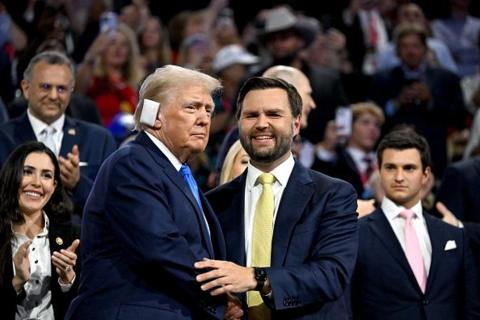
[314,242]
[385,288]
[60,300]
[460,192]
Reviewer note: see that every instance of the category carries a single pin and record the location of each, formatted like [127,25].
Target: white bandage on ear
[149,112]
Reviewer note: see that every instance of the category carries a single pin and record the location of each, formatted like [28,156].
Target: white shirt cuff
[65,287]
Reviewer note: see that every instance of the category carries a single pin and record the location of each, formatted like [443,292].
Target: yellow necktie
[262,243]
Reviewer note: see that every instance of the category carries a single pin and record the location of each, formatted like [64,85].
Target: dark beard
[283,146]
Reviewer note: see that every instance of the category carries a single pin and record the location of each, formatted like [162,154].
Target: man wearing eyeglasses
[81,147]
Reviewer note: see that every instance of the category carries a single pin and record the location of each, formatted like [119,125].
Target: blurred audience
[356,161]
[415,93]
[438,54]
[154,47]
[460,32]
[111,72]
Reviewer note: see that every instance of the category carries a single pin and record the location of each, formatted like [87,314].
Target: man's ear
[297,122]
[25,84]
[150,112]
[426,174]
[158,121]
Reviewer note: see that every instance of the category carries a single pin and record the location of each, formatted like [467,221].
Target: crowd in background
[365,52]
[71,73]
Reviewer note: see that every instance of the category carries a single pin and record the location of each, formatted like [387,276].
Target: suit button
[425,301]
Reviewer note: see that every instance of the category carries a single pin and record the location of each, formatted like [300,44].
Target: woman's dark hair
[58,208]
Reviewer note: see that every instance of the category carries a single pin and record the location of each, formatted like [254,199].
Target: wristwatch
[261,277]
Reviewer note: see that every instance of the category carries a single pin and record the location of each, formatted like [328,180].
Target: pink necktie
[413,252]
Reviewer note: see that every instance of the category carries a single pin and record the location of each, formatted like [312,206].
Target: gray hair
[165,84]
[51,58]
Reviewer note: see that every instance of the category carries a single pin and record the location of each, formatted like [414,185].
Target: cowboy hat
[282,19]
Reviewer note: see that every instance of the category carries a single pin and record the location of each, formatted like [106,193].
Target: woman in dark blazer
[37,241]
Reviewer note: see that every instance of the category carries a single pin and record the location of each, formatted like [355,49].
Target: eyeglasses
[61,89]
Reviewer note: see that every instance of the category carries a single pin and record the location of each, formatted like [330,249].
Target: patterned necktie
[48,139]
[262,242]
[413,252]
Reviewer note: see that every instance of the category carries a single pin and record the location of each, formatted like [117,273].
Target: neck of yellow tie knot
[266,178]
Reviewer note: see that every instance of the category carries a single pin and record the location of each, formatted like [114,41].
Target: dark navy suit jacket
[94,142]
[384,286]
[314,242]
[460,192]
[142,231]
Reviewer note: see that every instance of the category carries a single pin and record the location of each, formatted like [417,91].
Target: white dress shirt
[392,212]
[38,301]
[253,190]
[39,126]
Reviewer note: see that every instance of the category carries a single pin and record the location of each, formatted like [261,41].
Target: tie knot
[266,178]
[185,170]
[49,130]
[407,214]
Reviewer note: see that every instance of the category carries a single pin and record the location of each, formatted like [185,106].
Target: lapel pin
[59,241]
[71,132]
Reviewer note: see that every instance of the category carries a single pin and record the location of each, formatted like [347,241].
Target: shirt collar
[281,172]
[358,155]
[392,210]
[163,148]
[44,231]
[38,125]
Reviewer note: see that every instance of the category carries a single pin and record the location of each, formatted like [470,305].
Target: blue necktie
[192,184]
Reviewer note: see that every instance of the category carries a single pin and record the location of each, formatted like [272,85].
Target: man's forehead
[401,156]
[43,69]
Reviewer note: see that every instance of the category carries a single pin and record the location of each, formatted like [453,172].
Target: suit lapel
[218,241]
[437,239]
[24,131]
[294,200]
[233,221]
[177,180]
[476,165]
[70,132]
[384,232]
